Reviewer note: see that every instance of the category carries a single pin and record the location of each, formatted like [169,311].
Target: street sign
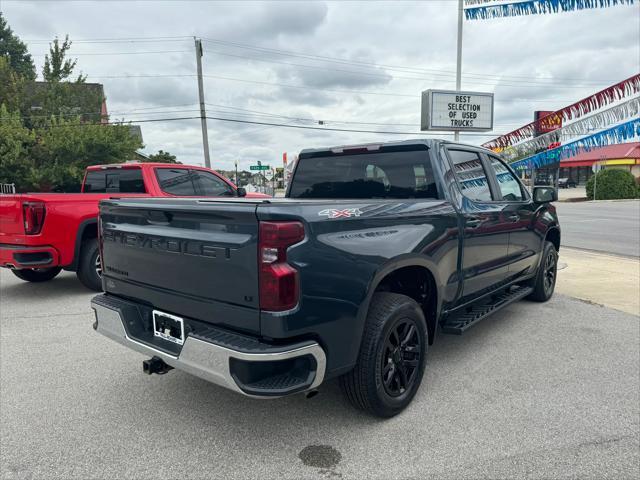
[457,111]
[259,167]
[268,174]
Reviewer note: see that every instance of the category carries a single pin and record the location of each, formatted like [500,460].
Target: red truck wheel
[37,274]
[89,268]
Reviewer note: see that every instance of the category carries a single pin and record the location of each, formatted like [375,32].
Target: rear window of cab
[114,180]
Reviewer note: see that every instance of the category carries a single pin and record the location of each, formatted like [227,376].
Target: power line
[250,114]
[372,64]
[165,106]
[330,129]
[114,53]
[147,120]
[257,82]
[444,76]
[250,122]
[318,120]
[119,39]
[351,62]
[252,81]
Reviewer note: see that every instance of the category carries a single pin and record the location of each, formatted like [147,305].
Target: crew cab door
[484,230]
[518,212]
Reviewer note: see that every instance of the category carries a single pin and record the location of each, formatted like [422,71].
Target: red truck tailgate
[11,218]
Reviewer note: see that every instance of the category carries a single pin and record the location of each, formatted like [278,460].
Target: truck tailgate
[10,217]
[195,262]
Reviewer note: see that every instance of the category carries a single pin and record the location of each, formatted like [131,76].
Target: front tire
[37,275]
[392,356]
[89,266]
[544,283]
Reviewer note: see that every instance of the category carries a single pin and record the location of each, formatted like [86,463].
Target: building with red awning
[625,156]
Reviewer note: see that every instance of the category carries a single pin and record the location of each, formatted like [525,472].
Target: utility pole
[456,136]
[203,113]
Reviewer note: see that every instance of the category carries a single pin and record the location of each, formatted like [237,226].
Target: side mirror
[241,191]
[544,194]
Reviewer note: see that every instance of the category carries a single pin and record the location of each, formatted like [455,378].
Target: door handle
[513,218]
[473,223]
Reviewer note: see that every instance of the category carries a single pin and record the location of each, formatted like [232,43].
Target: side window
[509,185]
[95,182]
[131,181]
[471,175]
[176,181]
[211,186]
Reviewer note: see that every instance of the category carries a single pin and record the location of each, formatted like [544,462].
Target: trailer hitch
[155,365]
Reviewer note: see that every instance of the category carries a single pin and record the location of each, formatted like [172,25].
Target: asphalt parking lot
[539,390]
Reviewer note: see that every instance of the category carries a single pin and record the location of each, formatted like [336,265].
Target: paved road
[612,227]
[547,390]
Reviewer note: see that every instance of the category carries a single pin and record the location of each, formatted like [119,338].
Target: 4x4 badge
[337,213]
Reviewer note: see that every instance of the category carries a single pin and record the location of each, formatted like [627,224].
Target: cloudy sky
[351,65]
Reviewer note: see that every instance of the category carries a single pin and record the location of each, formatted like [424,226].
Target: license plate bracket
[168,327]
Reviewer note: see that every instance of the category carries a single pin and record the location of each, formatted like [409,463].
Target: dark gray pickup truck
[374,250]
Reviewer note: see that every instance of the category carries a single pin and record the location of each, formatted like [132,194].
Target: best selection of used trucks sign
[455,110]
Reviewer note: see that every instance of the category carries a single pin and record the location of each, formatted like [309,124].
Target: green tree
[60,96]
[50,131]
[57,68]
[162,157]
[65,147]
[12,87]
[15,51]
[15,141]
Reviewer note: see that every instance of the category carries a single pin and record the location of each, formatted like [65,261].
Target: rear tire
[391,361]
[89,267]
[37,275]
[544,283]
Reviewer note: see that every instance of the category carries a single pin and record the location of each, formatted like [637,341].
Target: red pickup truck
[43,233]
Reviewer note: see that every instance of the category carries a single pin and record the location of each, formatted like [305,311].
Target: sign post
[458,111]
[595,168]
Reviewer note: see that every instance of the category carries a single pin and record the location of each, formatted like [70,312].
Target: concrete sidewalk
[609,280]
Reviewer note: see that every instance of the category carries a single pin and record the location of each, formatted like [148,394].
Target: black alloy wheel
[544,283]
[401,357]
[550,270]
[391,361]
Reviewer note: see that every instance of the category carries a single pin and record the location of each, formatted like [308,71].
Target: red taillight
[279,289]
[33,217]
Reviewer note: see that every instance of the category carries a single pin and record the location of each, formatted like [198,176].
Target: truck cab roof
[373,146]
[143,165]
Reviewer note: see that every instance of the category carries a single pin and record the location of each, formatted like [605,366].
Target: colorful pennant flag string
[483,9]
[598,100]
[617,134]
[597,121]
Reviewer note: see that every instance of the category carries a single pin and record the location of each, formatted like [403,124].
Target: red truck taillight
[33,217]
[278,281]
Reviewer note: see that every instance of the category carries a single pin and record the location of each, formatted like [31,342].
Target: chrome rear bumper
[208,360]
